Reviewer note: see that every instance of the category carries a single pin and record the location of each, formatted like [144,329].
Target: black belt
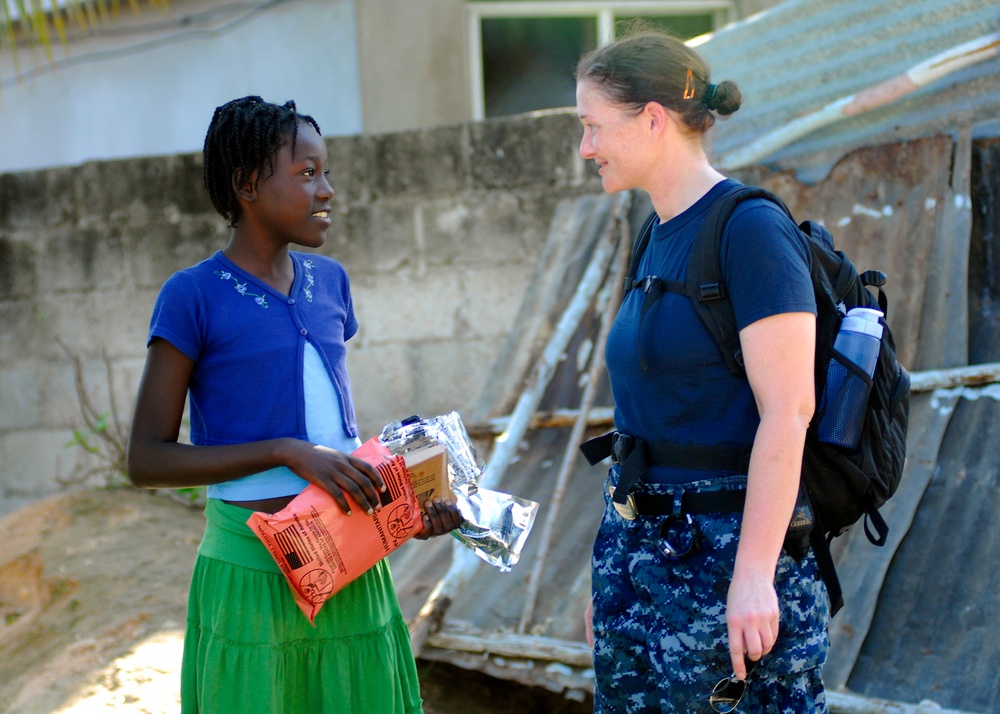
[690,503]
[693,502]
[636,455]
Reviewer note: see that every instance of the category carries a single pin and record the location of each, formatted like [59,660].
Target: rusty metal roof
[801,55]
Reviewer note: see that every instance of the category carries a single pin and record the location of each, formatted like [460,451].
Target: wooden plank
[511,644]
[975,375]
[464,562]
[507,443]
[549,419]
[556,664]
[861,566]
[944,326]
[847,703]
[558,268]
[572,682]
[614,284]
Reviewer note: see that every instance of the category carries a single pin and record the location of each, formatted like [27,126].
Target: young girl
[690,582]
[255,335]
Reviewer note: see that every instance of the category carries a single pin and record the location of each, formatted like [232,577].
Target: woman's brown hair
[647,65]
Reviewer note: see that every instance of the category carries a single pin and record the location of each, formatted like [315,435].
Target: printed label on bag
[303,537]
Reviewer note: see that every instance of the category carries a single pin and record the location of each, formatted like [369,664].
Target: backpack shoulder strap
[641,241]
[704,274]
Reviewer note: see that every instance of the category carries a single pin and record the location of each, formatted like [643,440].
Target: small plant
[82,438]
[103,435]
[193,496]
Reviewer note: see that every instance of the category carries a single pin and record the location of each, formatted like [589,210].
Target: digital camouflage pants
[660,639]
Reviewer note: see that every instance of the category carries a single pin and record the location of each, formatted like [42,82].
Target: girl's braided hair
[245,136]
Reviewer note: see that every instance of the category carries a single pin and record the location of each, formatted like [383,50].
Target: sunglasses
[680,536]
[729,692]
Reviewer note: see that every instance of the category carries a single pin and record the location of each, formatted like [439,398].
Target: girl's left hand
[440,517]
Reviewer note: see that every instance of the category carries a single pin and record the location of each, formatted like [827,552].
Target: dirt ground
[93,587]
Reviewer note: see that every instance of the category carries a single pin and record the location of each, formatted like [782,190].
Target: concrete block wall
[439,230]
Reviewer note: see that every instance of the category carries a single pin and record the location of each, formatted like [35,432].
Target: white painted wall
[413,64]
[148,85]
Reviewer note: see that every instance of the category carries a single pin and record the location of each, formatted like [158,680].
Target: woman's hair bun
[726,99]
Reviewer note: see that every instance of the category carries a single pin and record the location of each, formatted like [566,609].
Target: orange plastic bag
[320,549]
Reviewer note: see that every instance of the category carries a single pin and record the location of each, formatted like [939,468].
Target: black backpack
[840,486]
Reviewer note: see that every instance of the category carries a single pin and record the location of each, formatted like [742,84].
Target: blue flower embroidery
[241,288]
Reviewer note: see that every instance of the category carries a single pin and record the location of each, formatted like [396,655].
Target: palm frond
[41,22]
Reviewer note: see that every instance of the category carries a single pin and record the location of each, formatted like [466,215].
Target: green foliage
[83,438]
[193,496]
[32,22]
[103,435]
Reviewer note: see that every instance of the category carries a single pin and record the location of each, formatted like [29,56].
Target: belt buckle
[626,510]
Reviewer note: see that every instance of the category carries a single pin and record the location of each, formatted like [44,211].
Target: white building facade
[147,83]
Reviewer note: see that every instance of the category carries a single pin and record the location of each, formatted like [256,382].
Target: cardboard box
[428,467]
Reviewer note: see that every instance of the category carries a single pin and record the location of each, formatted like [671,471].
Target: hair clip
[709,95]
[689,85]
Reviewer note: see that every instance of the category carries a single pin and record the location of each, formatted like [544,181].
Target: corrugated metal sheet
[801,55]
[936,629]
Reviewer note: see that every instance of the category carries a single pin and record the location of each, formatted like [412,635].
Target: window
[522,53]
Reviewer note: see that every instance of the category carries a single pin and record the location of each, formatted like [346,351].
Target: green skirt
[249,648]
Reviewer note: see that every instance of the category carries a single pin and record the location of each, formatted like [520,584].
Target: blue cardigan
[248,344]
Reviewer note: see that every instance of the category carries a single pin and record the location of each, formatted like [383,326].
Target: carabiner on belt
[680,536]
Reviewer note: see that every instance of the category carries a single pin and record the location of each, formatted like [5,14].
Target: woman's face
[613,137]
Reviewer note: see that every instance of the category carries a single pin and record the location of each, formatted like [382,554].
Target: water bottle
[845,398]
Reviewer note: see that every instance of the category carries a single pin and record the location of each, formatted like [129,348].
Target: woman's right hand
[337,473]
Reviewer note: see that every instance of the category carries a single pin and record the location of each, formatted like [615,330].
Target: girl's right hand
[440,516]
[337,473]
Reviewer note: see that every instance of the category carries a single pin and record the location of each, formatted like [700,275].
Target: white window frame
[604,11]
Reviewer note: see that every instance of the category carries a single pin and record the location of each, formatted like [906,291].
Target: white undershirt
[324,426]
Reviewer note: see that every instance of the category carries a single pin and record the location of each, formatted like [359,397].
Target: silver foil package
[495,525]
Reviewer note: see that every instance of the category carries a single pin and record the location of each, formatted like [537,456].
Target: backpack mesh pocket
[843,403]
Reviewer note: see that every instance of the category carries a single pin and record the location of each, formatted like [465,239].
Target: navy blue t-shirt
[685,394]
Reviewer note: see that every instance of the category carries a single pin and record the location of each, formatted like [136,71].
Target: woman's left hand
[440,516]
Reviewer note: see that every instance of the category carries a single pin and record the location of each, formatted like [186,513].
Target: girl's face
[613,137]
[293,203]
